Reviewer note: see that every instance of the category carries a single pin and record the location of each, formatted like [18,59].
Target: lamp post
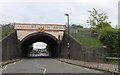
[68,36]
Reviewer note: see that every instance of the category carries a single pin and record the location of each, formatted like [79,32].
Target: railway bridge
[51,34]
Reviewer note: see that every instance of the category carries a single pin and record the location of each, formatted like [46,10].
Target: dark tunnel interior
[49,39]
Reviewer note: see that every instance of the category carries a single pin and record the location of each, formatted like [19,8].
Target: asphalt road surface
[0,70]
[44,65]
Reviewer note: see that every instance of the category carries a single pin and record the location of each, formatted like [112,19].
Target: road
[0,70]
[44,65]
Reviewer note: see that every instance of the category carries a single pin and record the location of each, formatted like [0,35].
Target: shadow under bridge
[52,42]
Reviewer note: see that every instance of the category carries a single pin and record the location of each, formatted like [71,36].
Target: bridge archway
[47,38]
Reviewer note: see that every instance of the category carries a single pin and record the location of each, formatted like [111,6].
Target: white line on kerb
[10,64]
[4,67]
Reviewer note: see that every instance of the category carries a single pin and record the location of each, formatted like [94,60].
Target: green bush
[118,40]
[109,37]
[6,30]
[77,26]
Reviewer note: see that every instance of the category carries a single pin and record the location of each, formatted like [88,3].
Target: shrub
[109,38]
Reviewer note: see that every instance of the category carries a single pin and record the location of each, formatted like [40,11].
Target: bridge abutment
[10,47]
[79,52]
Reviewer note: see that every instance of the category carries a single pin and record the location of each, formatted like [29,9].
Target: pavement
[44,65]
[93,65]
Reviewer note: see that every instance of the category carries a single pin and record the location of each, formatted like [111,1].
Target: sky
[39,45]
[119,15]
[52,11]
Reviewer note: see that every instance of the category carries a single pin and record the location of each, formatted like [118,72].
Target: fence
[93,49]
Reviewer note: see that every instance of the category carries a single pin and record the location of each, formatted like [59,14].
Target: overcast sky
[39,45]
[52,11]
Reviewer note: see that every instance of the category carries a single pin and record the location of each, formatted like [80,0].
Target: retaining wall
[79,52]
[10,48]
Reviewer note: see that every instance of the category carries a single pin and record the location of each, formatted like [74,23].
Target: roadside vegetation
[6,30]
[84,36]
[100,34]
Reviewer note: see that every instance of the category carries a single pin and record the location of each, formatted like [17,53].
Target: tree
[98,20]
[77,25]
[47,48]
[6,30]
[109,38]
[118,41]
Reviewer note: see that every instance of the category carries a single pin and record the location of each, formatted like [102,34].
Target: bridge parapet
[24,30]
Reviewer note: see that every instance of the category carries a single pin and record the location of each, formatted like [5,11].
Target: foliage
[110,61]
[107,35]
[83,36]
[75,25]
[118,45]
[98,20]
[109,38]
[47,48]
[6,30]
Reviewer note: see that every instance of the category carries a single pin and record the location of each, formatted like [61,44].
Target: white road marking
[75,66]
[10,64]
[4,67]
[88,69]
[44,70]
[68,64]
[19,61]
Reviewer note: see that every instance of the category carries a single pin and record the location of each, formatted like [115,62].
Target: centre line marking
[44,70]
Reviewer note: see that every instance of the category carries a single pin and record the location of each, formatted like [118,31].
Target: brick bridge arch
[49,39]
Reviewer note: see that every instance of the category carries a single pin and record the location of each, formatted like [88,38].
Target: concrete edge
[106,71]
[8,62]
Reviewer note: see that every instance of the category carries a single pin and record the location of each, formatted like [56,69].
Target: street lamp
[68,36]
